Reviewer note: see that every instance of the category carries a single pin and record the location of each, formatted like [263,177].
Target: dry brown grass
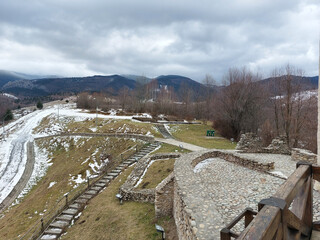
[66,163]
[158,171]
[104,218]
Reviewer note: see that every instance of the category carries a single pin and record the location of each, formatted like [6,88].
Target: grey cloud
[158,37]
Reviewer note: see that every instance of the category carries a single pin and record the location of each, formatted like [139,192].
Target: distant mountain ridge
[16,84]
[9,76]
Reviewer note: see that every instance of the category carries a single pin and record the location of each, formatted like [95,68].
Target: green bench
[210,133]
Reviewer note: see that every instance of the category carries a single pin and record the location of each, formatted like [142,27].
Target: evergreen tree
[8,116]
[39,105]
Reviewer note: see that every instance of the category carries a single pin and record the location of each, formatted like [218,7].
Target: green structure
[210,133]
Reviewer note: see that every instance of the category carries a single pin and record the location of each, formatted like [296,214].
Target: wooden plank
[295,223]
[264,226]
[289,189]
[300,202]
[316,172]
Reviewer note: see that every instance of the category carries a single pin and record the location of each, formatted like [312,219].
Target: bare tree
[238,105]
[209,83]
[124,97]
[290,103]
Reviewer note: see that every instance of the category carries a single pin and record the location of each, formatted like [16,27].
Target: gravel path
[184,145]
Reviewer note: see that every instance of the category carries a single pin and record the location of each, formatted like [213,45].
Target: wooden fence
[288,214]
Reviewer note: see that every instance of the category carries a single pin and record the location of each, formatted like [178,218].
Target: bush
[39,105]
[8,116]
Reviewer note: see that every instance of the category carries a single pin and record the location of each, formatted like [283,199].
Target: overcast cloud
[145,37]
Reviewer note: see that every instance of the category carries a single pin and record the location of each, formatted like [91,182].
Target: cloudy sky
[151,38]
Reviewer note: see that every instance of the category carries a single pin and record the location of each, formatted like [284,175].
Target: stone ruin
[298,154]
[279,146]
[251,143]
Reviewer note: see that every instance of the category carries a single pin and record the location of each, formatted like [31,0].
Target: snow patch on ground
[77,180]
[42,162]
[278,173]
[145,171]
[52,184]
[203,164]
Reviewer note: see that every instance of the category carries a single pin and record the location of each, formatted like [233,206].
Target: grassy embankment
[70,159]
[105,218]
[112,126]
[196,134]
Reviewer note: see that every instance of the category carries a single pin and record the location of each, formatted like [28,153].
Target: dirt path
[184,145]
[23,180]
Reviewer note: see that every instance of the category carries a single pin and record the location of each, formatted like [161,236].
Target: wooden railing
[288,214]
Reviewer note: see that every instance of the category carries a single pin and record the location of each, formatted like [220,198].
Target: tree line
[244,104]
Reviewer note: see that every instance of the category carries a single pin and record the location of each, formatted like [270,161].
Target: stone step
[108,178]
[96,188]
[75,206]
[116,171]
[104,180]
[128,162]
[65,217]
[59,224]
[53,231]
[70,211]
[100,184]
[122,166]
[91,192]
[81,201]
[112,174]
[49,237]
[86,196]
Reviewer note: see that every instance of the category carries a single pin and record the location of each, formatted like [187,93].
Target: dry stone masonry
[209,197]
[251,143]
[298,154]
[164,197]
[128,189]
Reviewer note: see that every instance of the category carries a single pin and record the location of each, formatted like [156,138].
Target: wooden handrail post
[67,199]
[248,217]
[225,234]
[42,225]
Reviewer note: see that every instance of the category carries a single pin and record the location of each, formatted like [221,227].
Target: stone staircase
[164,131]
[63,221]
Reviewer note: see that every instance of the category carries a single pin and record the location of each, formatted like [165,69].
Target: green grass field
[196,134]
[168,148]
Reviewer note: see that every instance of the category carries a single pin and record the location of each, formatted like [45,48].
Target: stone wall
[278,146]
[235,158]
[186,227]
[298,154]
[249,142]
[164,197]
[128,189]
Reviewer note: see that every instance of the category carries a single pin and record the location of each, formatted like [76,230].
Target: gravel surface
[282,163]
[216,191]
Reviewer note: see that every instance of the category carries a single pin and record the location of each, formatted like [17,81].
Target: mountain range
[23,85]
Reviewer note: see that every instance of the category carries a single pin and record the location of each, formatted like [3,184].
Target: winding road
[15,170]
